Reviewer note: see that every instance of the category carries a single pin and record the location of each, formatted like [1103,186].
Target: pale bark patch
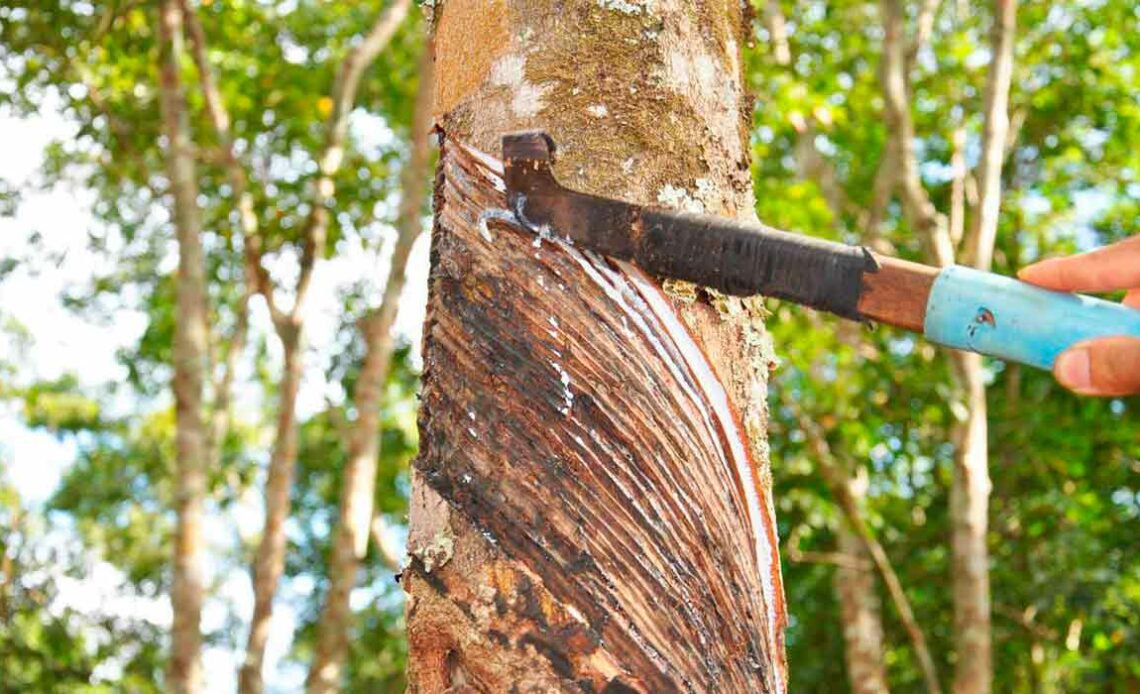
[630,7]
[526,99]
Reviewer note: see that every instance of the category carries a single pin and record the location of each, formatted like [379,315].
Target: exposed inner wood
[570,416]
[628,559]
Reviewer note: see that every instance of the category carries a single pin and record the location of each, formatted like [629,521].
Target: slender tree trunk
[190,346]
[270,560]
[354,522]
[861,615]
[995,132]
[220,416]
[269,563]
[860,610]
[969,505]
[590,508]
[970,490]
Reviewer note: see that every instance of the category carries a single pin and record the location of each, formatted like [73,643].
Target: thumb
[1107,367]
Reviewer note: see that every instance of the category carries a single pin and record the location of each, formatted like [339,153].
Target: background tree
[820,146]
[255,116]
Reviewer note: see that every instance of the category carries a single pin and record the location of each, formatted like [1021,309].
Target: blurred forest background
[290,136]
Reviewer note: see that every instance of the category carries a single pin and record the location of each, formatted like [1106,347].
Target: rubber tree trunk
[184,673]
[591,505]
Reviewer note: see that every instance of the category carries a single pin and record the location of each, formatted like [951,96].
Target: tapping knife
[955,306]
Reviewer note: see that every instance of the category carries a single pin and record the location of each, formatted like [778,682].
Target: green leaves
[1065,470]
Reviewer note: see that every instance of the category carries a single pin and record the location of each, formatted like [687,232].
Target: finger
[1132,298]
[1107,367]
[1103,270]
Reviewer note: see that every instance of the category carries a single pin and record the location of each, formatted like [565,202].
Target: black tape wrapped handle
[743,260]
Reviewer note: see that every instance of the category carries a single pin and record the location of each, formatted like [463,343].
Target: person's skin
[1108,366]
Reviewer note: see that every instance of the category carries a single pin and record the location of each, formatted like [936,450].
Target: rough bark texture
[190,345]
[590,509]
[861,615]
[355,519]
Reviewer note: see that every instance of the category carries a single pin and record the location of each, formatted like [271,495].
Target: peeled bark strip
[184,673]
[590,509]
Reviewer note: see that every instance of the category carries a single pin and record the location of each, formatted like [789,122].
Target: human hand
[1106,366]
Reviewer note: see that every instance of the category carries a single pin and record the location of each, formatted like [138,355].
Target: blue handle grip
[1003,317]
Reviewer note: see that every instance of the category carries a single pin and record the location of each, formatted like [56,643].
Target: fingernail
[1073,371]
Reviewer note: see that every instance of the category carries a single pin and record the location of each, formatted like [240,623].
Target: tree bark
[190,347]
[269,563]
[591,504]
[354,522]
[220,416]
[994,134]
[860,612]
[969,495]
[969,506]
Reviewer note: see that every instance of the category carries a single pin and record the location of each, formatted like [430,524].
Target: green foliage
[275,63]
[59,406]
[49,644]
[379,654]
[1064,569]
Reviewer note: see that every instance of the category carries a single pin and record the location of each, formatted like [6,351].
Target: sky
[64,342]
